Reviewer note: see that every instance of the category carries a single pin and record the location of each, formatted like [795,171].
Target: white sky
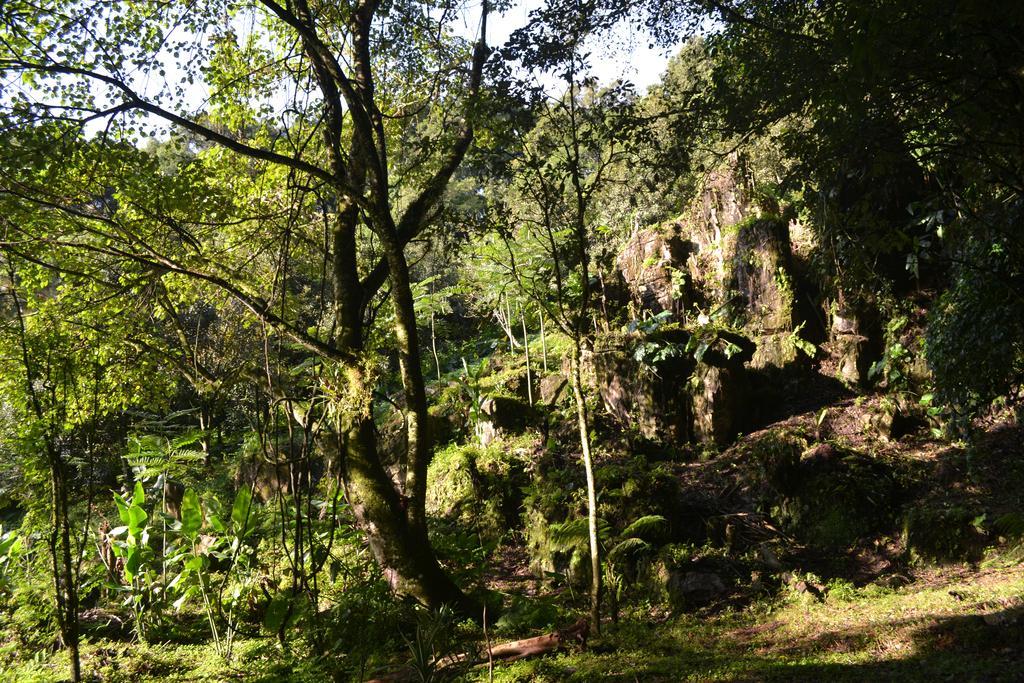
[625,54]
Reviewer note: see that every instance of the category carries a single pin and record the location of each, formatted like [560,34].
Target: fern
[575,533]
[1011,525]
[629,546]
[647,524]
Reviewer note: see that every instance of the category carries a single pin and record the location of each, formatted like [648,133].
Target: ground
[951,624]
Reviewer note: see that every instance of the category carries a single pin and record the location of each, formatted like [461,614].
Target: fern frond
[645,525]
[628,546]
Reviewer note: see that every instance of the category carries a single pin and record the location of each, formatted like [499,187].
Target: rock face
[645,381]
[849,345]
[652,265]
[720,396]
[730,253]
[503,415]
[647,401]
[762,276]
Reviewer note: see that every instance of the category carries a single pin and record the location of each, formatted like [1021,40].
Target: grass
[933,630]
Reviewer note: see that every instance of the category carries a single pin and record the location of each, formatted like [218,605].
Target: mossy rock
[480,488]
[685,576]
[943,534]
[824,496]
[719,397]
[772,458]
[839,497]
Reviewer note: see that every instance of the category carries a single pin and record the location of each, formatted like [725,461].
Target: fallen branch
[531,647]
[575,635]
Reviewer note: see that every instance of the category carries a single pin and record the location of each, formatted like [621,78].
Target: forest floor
[955,623]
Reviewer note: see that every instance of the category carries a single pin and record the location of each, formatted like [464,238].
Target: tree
[316,110]
[548,229]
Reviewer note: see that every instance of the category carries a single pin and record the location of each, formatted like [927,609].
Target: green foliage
[946,533]
[144,589]
[975,338]
[11,548]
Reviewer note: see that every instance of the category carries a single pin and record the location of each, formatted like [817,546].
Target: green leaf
[240,511]
[186,439]
[191,514]
[139,494]
[122,507]
[646,524]
[133,558]
[702,348]
[626,547]
[181,601]
[136,518]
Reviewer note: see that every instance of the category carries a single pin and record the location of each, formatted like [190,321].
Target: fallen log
[575,635]
[531,647]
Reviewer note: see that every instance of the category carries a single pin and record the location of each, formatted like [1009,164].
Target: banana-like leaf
[241,513]
[191,514]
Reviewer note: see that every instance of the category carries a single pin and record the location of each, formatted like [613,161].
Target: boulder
[824,496]
[653,266]
[944,533]
[719,401]
[838,496]
[553,388]
[503,415]
[476,488]
[693,588]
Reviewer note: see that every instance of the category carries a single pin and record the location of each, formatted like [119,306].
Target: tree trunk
[543,341]
[401,549]
[588,465]
[64,583]
[394,520]
[526,349]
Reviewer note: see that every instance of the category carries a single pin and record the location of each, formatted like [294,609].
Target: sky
[625,54]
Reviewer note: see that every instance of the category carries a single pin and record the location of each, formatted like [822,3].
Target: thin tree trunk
[526,347]
[508,328]
[63,573]
[604,302]
[433,346]
[588,465]
[543,341]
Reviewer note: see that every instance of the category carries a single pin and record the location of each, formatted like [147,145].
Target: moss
[943,534]
[915,634]
[479,487]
